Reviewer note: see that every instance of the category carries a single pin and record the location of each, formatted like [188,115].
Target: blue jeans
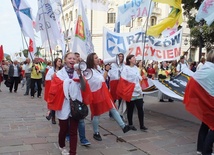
[81,129]
[115,115]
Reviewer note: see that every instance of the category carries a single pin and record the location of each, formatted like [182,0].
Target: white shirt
[15,74]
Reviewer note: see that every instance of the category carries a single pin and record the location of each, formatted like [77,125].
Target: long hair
[90,60]
[128,58]
[55,61]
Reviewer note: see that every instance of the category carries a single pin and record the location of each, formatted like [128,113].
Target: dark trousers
[72,130]
[202,136]
[130,109]
[28,79]
[208,143]
[14,82]
[39,85]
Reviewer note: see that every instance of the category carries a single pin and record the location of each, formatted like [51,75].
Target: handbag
[79,110]
[8,83]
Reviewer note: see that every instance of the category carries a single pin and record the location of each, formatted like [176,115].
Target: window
[111,16]
[153,21]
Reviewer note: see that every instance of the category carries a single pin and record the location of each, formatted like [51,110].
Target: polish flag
[129,83]
[1,53]
[199,94]
[114,74]
[101,99]
[48,78]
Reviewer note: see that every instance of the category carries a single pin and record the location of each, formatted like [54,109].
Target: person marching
[102,101]
[66,84]
[56,67]
[129,89]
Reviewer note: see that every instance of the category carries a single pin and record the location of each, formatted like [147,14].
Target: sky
[10,32]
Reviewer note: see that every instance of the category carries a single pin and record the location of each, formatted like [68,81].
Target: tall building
[98,19]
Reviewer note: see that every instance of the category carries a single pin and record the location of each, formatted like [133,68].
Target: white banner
[134,9]
[163,49]
[82,42]
[46,23]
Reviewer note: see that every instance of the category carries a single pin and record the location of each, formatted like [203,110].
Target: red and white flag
[1,53]
[101,98]
[199,94]
[129,84]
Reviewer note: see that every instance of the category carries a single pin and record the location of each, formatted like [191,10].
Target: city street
[24,129]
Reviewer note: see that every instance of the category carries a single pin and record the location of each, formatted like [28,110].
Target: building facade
[98,19]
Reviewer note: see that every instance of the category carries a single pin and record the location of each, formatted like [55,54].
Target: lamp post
[200,40]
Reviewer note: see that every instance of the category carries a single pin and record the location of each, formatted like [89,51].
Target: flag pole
[27,45]
[144,41]
[47,33]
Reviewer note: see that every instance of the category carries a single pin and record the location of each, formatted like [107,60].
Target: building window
[111,16]
[153,21]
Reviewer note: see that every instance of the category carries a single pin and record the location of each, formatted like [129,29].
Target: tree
[198,29]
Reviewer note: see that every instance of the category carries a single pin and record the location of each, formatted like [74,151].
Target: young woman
[66,84]
[131,91]
[56,67]
[102,101]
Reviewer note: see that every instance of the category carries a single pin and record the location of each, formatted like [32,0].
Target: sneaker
[161,100]
[199,152]
[64,151]
[39,96]
[132,128]
[25,94]
[97,136]
[143,128]
[85,143]
[126,129]
[32,97]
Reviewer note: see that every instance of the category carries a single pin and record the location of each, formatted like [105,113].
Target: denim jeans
[81,129]
[115,115]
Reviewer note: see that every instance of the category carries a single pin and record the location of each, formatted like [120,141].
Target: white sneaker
[64,151]
[199,153]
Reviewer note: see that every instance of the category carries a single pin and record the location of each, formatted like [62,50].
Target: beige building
[98,19]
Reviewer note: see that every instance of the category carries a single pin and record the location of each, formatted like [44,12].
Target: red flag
[1,53]
[199,95]
[30,48]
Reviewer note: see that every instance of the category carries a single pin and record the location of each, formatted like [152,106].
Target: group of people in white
[117,82]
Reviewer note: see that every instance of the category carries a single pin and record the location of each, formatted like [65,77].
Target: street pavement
[24,129]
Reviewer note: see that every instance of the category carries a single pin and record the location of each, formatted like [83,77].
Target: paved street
[24,130]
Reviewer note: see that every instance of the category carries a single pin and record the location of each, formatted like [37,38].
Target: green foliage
[198,29]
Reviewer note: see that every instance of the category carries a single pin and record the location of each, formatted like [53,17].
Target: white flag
[97,5]
[82,42]
[134,9]
[46,23]
[24,16]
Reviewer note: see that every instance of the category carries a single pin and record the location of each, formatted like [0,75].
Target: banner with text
[157,49]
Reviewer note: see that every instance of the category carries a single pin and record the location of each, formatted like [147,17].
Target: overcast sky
[10,33]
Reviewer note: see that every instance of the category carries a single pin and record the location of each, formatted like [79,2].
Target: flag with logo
[1,53]
[199,94]
[134,9]
[31,49]
[82,42]
[175,16]
[46,23]
[98,5]
[24,16]
[206,12]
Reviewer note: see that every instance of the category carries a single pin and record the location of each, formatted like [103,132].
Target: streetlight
[200,40]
